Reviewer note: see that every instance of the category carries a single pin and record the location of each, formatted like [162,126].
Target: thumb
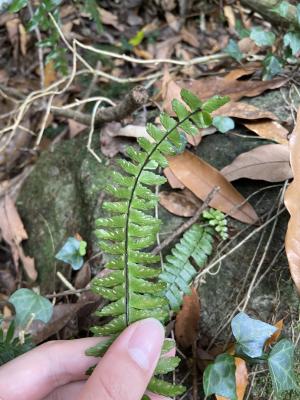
[128,365]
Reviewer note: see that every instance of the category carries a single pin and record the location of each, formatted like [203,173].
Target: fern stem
[147,159]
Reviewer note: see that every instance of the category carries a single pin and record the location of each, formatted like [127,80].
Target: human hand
[56,370]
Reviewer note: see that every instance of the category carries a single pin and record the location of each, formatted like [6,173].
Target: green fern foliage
[10,346]
[179,270]
[132,285]
[217,220]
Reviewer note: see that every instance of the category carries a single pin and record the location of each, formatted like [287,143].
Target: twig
[136,98]
[186,225]
[196,60]
[66,282]
[67,293]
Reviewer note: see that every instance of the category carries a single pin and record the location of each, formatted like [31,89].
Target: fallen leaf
[238,109]
[173,181]
[165,49]
[230,17]
[240,72]
[186,324]
[112,135]
[241,379]
[3,76]
[49,73]
[75,127]
[248,46]
[108,18]
[200,177]
[23,39]
[83,276]
[273,339]
[190,37]
[292,201]
[13,233]
[12,27]
[272,130]
[215,85]
[180,203]
[270,162]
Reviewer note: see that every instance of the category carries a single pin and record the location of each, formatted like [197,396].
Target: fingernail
[146,341]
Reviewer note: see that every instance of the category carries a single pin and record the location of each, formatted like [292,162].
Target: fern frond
[133,288]
[179,271]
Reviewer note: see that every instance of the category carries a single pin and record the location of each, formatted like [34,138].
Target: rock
[59,199]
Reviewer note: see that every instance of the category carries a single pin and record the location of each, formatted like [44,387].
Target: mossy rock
[59,199]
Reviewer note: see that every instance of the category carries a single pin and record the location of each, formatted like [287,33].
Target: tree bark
[266,7]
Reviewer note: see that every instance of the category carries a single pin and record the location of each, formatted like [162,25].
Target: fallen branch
[186,225]
[136,98]
[266,9]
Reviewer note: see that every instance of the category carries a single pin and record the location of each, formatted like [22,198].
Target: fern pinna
[132,287]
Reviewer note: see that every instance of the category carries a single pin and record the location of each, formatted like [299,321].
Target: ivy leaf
[281,365]
[272,66]
[223,124]
[219,377]
[233,50]
[282,9]
[72,252]
[17,5]
[29,304]
[251,334]
[262,37]
[292,39]
[214,103]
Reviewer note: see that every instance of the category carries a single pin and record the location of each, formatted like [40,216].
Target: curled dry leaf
[292,202]
[270,162]
[272,130]
[200,177]
[183,204]
[240,72]
[238,109]
[273,339]
[13,232]
[187,320]
[241,379]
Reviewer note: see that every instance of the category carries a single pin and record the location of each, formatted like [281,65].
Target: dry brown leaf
[215,85]
[165,49]
[238,109]
[190,37]
[270,162]
[180,203]
[75,127]
[241,379]
[12,27]
[173,181]
[49,73]
[13,233]
[108,18]
[83,276]
[200,177]
[113,134]
[3,76]
[23,39]
[240,72]
[272,130]
[248,46]
[230,17]
[273,339]
[186,324]
[292,202]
